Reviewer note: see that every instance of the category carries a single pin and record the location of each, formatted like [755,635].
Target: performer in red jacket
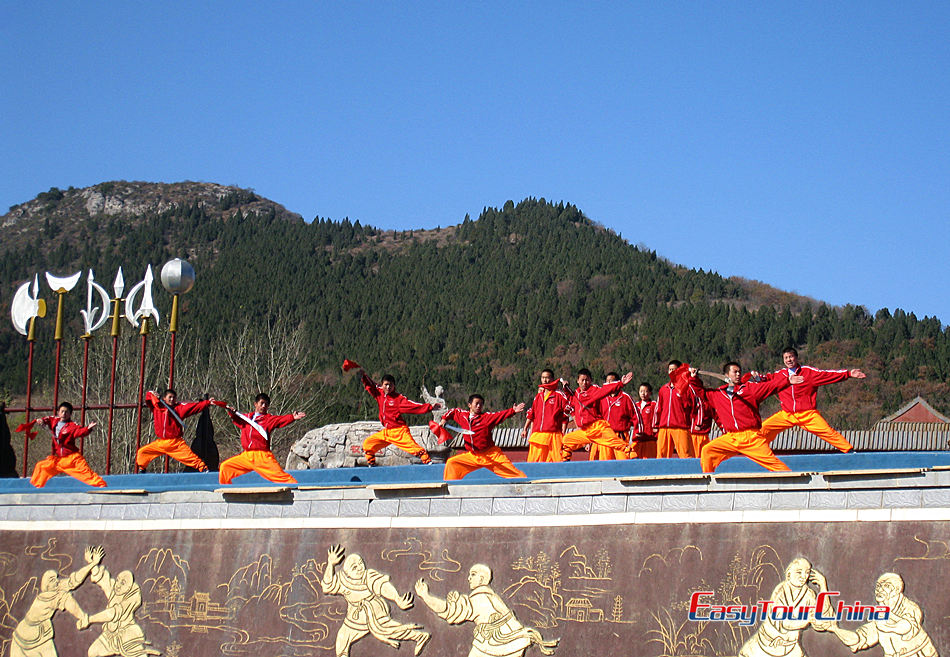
[622,415]
[256,429]
[168,417]
[700,417]
[395,431]
[644,446]
[798,401]
[672,417]
[547,418]
[591,426]
[736,409]
[480,449]
[65,457]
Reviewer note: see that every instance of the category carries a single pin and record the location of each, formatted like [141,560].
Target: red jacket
[672,410]
[391,407]
[482,425]
[701,415]
[648,418]
[64,443]
[620,412]
[586,406]
[548,416]
[740,411]
[251,439]
[801,397]
[165,424]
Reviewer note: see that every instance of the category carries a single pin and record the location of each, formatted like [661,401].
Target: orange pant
[809,421]
[599,433]
[173,447]
[72,464]
[492,458]
[258,460]
[697,441]
[746,443]
[599,453]
[544,447]
[667,439]
[400,437]
[644,449]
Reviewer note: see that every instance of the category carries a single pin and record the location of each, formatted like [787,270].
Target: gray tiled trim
[752,501]
[383,507]
[782,500]
[508,506]
[323,508]
[354,508]
[213,510]
[185,510]
[646,503]
[827,499]
[865,499]
[445,507]
[937,497]
[716,501]
[540,506]
[414,507]
[574,505]
[476,506]
[680,502]
[904,499]
[167,511]
[504,499]
[609,504]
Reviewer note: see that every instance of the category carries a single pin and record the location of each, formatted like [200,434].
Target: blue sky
[805,144]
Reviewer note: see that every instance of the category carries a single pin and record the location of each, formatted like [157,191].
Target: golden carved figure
[367,612]
[497,632]
[780,638]
[33,636]
[902,634]
[121,635]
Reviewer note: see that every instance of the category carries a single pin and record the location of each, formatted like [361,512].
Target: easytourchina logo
[824,609]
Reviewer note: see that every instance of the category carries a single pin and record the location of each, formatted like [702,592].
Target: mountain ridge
[480,305]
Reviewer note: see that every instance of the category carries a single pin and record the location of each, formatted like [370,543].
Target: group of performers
[168,415]
[611,425]
[606,421]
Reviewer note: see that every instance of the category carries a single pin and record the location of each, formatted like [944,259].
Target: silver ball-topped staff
[178,277]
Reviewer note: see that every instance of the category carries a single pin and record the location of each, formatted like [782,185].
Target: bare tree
[270,356]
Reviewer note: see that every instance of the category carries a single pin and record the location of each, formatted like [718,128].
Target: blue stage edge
[867,462]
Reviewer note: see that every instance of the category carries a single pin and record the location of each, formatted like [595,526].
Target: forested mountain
[478,306]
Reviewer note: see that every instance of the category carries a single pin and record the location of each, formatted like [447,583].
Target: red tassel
[26,426]
[439,431]
[350,365]
[680,378]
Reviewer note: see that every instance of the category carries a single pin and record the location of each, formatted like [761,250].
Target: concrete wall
[603,564]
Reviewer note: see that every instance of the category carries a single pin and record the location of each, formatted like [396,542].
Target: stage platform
[867,464]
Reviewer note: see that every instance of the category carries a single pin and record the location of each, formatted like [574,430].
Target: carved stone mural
[663,590]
